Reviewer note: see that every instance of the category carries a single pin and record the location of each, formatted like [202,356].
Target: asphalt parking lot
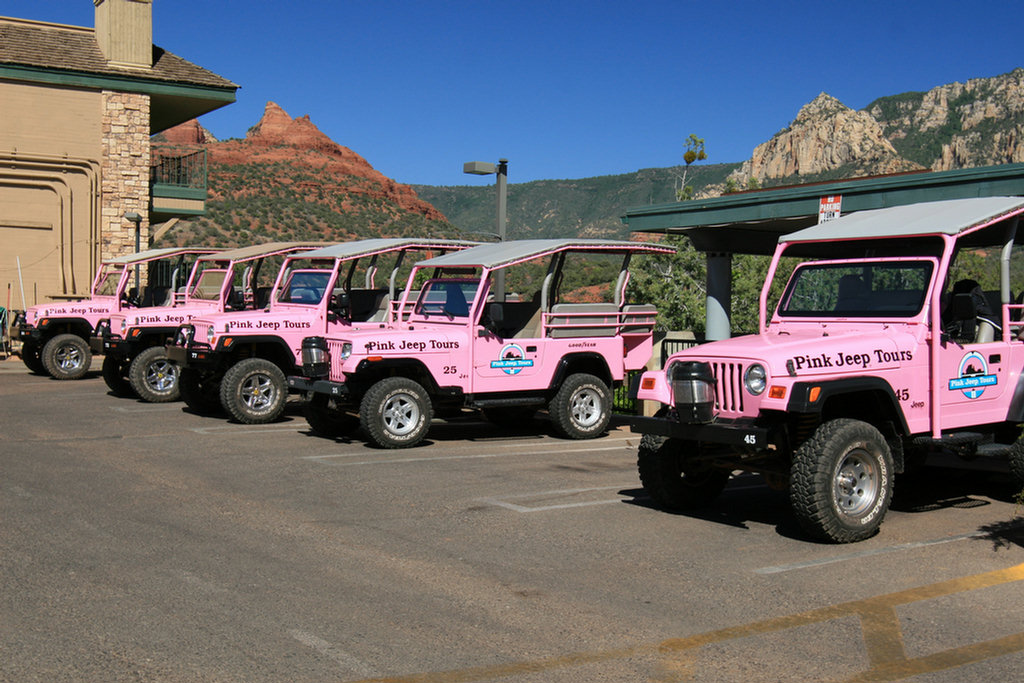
[140,542]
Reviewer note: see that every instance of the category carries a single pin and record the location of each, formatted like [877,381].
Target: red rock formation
[188,133]
[279,138]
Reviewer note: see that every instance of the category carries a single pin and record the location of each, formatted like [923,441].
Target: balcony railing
[177,181]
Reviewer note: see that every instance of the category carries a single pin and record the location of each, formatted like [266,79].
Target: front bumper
[741,433]
[192,356]
[26,333]
[112,345]
[318,386]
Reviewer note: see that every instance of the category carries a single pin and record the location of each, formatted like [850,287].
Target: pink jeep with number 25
[453,347]
[882,350]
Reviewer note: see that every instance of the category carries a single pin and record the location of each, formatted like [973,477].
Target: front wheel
[673,477]
[582,407]
[254,391]
[200,390]
[327,419]
[841,481]
[31,356]
[115,375]
[154,377]
[67,356]
[395,413]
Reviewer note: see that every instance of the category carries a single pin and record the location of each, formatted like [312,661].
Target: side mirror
[496,312]
[340,303]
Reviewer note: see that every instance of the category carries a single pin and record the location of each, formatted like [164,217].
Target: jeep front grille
[728,387]
[202,332]
[335,349]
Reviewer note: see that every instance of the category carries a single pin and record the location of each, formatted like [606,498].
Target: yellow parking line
[883,639]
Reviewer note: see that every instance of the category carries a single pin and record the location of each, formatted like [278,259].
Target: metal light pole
[501,172]
[135,218]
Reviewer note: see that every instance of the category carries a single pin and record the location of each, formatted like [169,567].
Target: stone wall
[125,172]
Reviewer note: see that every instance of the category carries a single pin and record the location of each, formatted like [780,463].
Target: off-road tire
[154,377]
[672,483]
[841,481]
[200,391]
[326,418]
[31,356]
[67,356]
[395,413]
[254,391]
[581,408]
[1016,458]
[116,377]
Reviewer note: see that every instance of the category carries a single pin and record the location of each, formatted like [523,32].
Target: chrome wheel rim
[855,485]
[161,375]
[401,414]
[258,392]
[68,357]
[585,407]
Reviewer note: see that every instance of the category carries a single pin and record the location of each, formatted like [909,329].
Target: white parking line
[505,502]
[328,459]
[147,408]
[332,651]
[778,569]
[246,429]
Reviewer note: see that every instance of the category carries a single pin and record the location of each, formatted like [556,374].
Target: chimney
[124,31]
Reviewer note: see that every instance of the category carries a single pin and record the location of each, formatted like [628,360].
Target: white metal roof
[951,217]
[254,251]
[153,254]
[499,254]
[349,250]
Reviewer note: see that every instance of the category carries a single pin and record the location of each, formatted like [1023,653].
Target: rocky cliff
[960,125]
[288,180]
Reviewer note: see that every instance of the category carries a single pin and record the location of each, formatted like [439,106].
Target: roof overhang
[752,222]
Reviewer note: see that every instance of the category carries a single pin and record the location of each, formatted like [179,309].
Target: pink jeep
[453,347]
[238,361]
[882,349]
[55,337]
[132,341]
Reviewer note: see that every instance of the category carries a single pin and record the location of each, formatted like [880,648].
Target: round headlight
[755,379]
[124,326]
[346,350]
[209,333]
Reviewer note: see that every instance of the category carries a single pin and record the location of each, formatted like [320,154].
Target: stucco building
[79,178]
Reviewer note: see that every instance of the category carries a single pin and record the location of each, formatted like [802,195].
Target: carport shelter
[751,222]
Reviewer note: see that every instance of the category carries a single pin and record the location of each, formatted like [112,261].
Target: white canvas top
[154,254]
[498,254]
[349,250]
[950,217]
[257,250]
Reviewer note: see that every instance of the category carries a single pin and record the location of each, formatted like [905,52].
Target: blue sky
[563,89]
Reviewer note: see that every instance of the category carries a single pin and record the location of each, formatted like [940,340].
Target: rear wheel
[115,374]
[327,419]
[154,376]
[395,413]
[674,480]
[254,391]
[67,356]
[31,356]
[200,390]
[581,409]
[841,481]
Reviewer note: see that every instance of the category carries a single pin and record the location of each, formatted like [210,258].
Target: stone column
[125,172]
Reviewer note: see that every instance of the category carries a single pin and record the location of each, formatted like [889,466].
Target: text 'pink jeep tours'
[883,349]
[238,361]
[55,337]
[458,342]
[133,341]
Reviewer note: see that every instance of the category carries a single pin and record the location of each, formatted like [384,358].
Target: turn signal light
[814,395]
[777,392]
[647,383]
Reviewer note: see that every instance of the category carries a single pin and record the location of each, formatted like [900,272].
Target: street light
[501,171]
[135,218]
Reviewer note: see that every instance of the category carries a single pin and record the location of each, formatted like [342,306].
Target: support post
[718,313]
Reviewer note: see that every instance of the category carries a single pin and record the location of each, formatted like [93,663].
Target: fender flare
[800,396]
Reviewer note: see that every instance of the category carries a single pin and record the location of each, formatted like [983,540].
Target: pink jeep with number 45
[460,343]
[896,338]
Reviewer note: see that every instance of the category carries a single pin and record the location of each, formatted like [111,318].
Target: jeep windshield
[857,289]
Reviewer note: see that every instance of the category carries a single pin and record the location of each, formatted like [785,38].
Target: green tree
[693,150]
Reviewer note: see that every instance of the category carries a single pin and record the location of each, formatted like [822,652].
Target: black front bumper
[114,346]
[741,433]
[193,356]
[318,386]
[26,333]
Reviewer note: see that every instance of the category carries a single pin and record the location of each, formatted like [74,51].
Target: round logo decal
[512,360]
[972,376]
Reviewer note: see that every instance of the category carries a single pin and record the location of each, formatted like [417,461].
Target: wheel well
[871,406]
[79,328]
[590,363]
[275,352]
[368,374]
